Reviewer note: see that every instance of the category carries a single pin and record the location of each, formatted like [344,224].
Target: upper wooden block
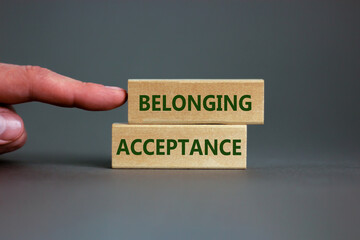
[188,101]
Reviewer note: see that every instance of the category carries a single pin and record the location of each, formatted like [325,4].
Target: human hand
[19,84]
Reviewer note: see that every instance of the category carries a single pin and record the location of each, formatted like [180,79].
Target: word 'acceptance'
[166,146]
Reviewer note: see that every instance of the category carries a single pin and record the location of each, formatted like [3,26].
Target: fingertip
[96,97]
[116,97]
[14,144]
[122,95]
[12,131]
[11,127]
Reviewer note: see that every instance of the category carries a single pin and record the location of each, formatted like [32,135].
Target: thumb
[12,131]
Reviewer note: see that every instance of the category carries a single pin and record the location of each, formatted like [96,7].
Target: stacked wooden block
[187,123]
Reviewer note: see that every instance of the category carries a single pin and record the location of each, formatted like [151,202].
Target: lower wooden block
[179,146]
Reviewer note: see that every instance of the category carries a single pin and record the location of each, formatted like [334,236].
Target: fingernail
[11,127]
[116,88]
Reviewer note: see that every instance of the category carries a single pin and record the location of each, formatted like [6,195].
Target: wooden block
[179,146]
[196,101]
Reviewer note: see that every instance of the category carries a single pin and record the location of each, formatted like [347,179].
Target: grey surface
[80,197]
[303,179]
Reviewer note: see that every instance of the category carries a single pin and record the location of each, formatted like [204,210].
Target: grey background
[303,180]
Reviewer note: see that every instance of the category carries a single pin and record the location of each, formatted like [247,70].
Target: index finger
[20,84]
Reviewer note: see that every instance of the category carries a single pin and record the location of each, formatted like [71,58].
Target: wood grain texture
[195,88]
[176,158]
